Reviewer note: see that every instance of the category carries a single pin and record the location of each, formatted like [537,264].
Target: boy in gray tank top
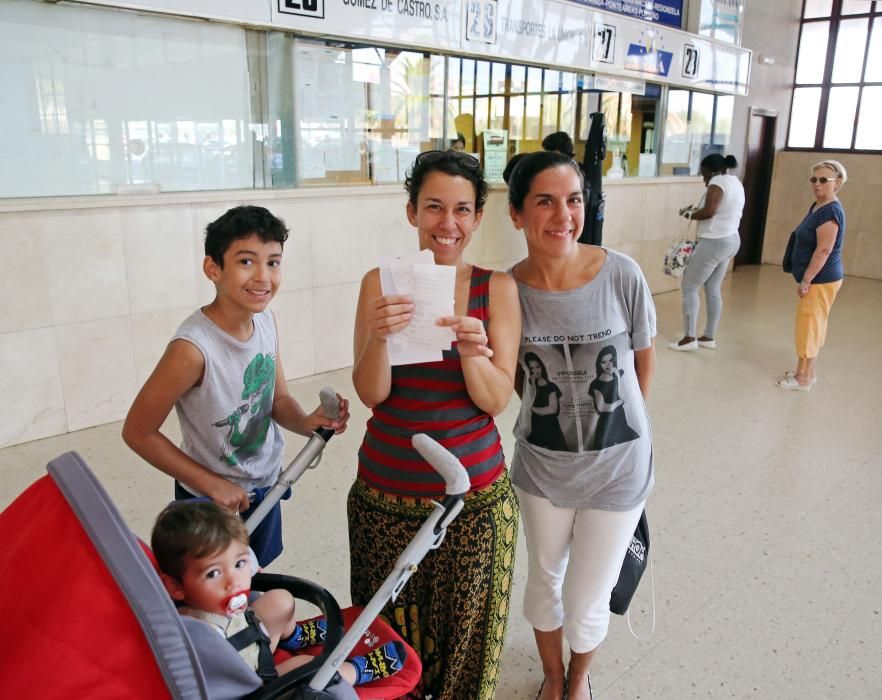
[223,375]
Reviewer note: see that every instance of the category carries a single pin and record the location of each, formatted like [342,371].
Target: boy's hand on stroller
[471,338]
[228,495]
[389,314]
[317,419]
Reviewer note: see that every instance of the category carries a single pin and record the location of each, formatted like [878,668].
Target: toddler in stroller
[93,619]
[204,563]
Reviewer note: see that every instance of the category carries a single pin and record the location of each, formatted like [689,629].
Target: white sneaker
[709,344]
[687,347]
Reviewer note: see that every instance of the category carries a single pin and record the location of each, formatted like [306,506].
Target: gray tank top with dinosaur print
[226,421]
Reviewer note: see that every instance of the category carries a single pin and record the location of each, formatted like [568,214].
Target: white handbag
[679,253]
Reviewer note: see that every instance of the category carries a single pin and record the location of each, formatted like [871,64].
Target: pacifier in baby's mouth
[236,603]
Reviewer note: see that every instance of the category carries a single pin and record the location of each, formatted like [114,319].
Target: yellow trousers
[812,312]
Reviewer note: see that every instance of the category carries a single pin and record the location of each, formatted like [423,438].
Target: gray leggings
[706,267]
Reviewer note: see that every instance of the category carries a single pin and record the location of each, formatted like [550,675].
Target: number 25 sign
[481,21]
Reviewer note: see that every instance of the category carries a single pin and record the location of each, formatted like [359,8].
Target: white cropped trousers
[573,562]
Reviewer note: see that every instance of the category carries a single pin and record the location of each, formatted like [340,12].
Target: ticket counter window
[696,125]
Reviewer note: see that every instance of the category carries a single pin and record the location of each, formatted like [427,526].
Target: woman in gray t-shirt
[588,329]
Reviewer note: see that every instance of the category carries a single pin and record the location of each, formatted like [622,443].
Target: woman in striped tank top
[455,608]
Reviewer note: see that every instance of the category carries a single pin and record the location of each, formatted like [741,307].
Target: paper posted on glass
[432,288]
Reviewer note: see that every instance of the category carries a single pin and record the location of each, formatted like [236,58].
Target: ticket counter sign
[565,34]
[568,35]
[416,23]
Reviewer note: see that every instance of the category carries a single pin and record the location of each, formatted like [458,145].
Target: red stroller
[90,618]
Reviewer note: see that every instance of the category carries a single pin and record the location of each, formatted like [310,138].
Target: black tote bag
[787,262]
[636,558]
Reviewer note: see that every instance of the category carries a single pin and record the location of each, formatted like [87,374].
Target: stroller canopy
[88,615]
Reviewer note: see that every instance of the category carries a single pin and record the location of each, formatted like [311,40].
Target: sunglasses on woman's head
[822,180]
[465,159]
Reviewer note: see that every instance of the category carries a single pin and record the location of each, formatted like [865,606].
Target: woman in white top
[718,217]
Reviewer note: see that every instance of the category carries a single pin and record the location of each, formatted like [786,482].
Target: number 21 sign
[690,61]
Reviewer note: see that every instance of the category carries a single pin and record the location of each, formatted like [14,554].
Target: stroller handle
[443,462]
[307,458]
[429,536]
[331,408]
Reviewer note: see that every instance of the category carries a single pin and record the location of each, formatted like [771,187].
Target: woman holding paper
[455,608]
[588,318]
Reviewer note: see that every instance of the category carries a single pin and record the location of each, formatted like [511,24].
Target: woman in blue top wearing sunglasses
[817,268]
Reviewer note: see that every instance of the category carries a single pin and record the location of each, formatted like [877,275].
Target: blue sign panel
[648,60]
[669,12]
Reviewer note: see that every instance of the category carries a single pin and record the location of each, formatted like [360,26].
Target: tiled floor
[765,518]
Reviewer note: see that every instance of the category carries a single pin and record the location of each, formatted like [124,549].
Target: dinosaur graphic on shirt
[259,383]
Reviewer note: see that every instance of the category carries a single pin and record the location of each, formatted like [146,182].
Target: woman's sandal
[790,383]
[566,681]
[791,373]
[567,688]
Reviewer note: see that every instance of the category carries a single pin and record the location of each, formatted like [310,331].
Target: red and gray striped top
[431,398]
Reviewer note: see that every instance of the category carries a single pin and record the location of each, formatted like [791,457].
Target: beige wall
[791,196]
[771,30]
[94,287]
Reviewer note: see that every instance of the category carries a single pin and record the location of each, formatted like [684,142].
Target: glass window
[454,66]
[812,52]
[849,60]
[328,112]
[497,81]
[856,7]
[697,124]
[531,118]
[518,80]
[193,129]
[516,118]
[468,77]
[567,111]
[378,116]
[534,79]
[482,114]
[436,76]
[723,123]
[874,56]
[869,135]
[840,117]
[677,140]
[817,8]
[497,112]
[854,65]
[804,117]
[550,106]
[482,81]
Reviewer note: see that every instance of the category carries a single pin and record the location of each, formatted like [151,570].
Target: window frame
[826,84]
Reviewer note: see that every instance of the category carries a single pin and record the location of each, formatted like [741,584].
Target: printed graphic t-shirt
[582,341]
[226,422]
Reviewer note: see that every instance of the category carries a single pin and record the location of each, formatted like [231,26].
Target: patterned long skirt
[454,609]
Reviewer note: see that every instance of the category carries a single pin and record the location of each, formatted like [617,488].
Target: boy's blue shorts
[266,540]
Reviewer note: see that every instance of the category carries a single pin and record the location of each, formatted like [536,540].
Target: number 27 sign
[604,45]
